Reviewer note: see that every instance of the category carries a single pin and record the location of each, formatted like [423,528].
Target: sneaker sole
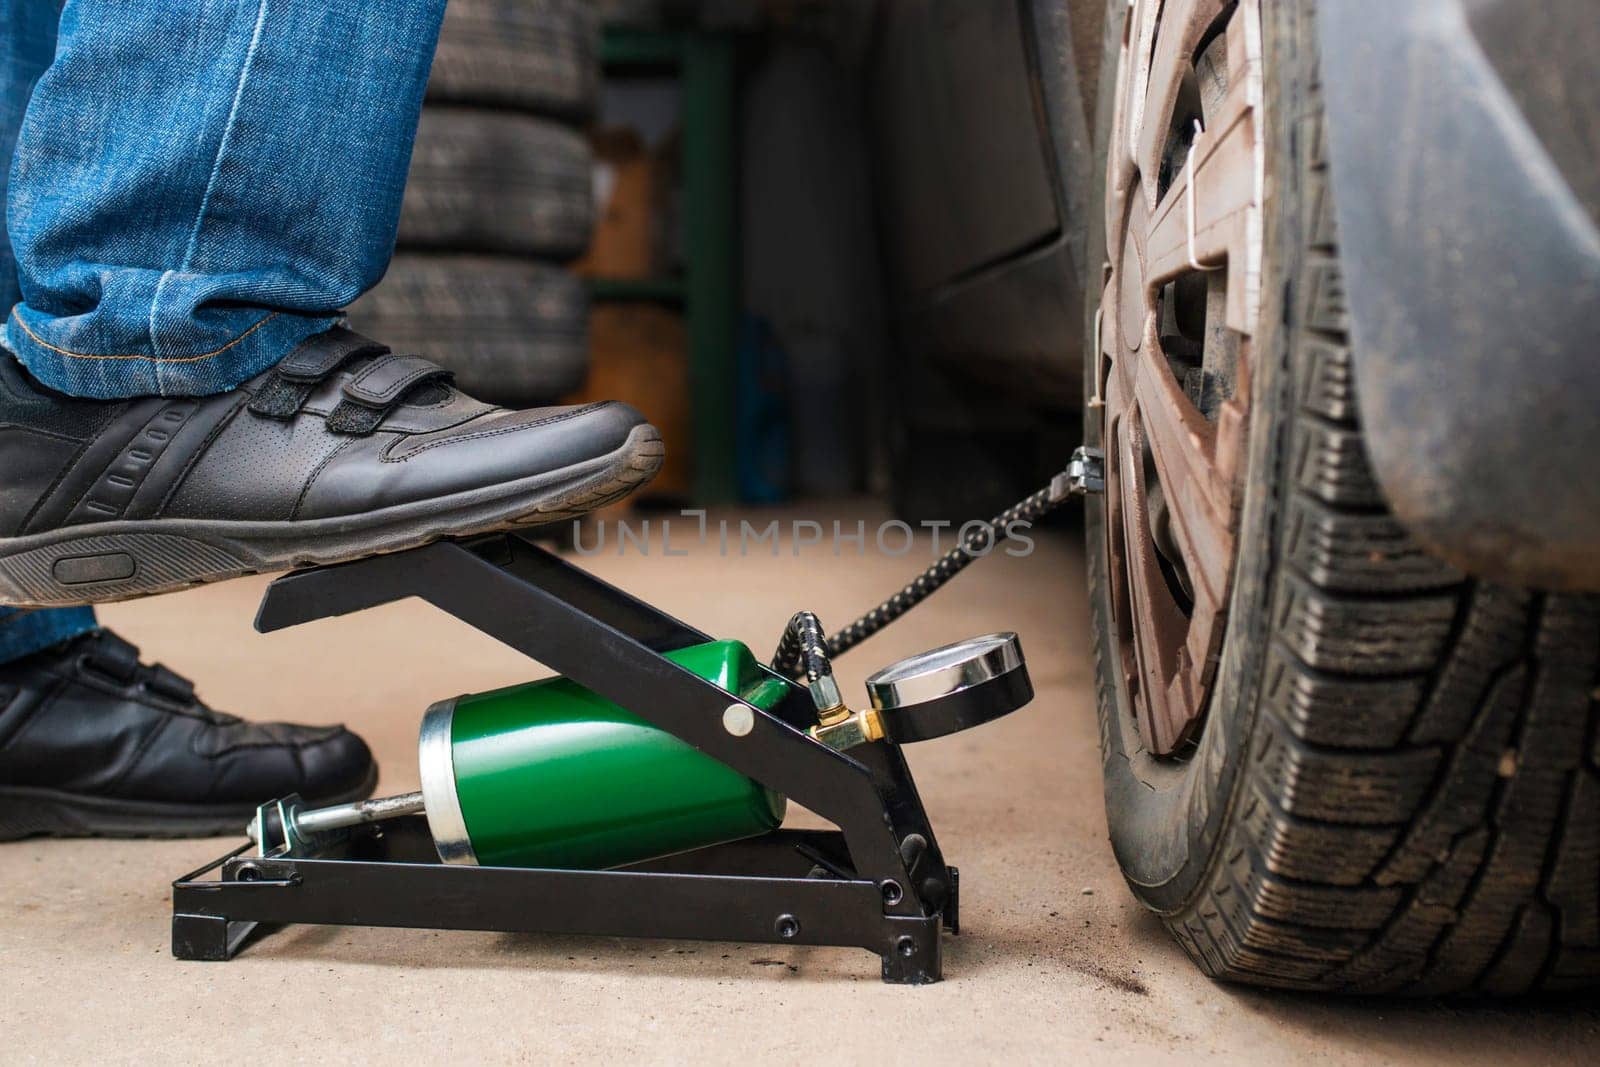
[28,813]
[101,563]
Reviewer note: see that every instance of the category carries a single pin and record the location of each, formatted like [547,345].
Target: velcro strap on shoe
[374,392]
[280,398]
[320,356]
[358,420]
[112,656]
[383,382]
[302,370]
[169,684]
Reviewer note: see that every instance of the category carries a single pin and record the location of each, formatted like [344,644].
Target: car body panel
[980,232]
[1472,270]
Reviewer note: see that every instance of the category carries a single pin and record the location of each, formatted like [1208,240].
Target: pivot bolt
[906,946]
[738,720]
[787,927]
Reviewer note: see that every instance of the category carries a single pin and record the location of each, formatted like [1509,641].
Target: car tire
[514,332]
[497,181]
[1395,784]
[538,55]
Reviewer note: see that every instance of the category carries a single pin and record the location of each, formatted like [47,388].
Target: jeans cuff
[262,340]
[22,633]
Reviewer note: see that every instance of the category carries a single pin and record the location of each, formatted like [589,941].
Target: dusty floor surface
[1055,962]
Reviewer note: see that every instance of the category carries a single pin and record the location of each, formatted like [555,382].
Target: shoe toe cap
[339,765]
[531,441]
[496,449]
[266,761]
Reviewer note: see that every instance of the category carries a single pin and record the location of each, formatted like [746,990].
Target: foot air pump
[642,792]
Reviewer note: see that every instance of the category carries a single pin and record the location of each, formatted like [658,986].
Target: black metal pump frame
[879,882]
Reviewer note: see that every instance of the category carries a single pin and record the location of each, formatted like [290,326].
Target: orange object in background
[639,350]
[639,353]
[626,188]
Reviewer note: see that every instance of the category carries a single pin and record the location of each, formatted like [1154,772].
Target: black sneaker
[95,744]
[343,450]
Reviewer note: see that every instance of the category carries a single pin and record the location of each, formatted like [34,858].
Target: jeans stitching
[150,323]
[211,183]
[227,134]
[139,355]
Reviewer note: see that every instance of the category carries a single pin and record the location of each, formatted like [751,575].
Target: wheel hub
[1184,183]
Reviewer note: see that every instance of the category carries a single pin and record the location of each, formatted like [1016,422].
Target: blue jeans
[195,187]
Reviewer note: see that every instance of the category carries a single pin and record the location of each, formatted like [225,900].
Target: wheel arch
[1472,274]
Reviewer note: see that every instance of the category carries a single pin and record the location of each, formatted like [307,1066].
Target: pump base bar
[878,883]
[389,877]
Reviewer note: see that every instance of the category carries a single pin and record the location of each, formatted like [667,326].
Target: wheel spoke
[1159,625]
[1134,79]
[1199,495]
[1183,23]
[1120,170]
[1225,199]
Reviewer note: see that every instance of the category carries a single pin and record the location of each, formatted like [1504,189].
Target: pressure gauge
[951,688]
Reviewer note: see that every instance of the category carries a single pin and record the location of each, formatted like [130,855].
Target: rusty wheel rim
[1185,174]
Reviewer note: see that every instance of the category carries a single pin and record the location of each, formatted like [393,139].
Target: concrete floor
[1055,960]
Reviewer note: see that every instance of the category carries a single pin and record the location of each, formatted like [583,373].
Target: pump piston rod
[342,816]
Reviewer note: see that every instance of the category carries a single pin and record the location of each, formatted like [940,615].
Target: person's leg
[27,41]
[199,185]
[22,633]
[91,740]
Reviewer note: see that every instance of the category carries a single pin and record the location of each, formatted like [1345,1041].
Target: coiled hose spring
[803,650]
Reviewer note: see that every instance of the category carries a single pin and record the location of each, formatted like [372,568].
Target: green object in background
[551,775]
[704,63]
[710,219]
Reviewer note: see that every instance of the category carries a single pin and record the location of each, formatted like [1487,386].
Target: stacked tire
[499,198]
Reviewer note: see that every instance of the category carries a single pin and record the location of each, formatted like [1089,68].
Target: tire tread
[1420,809]
[497,181]
[541,56]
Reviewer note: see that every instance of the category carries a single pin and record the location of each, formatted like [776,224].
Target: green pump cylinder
[551,775]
